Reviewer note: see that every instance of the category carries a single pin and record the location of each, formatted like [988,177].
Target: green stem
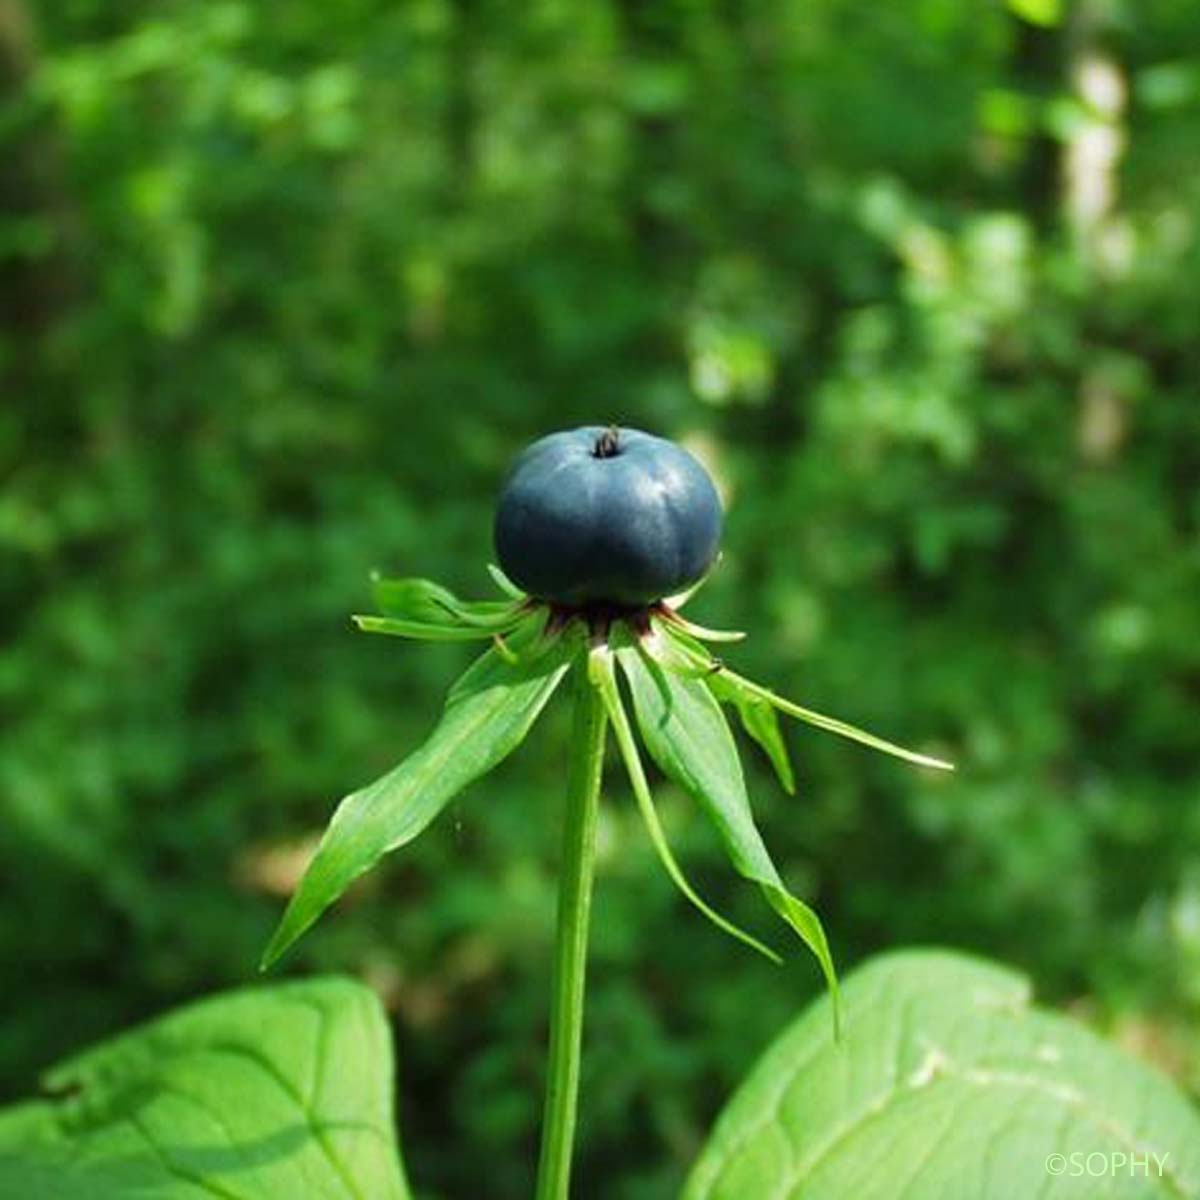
[570,952]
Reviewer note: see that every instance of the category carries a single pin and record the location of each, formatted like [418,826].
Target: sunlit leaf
[948,1084]
[265,1094]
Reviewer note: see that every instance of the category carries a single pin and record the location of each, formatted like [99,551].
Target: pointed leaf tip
[738,684]
[807,926]
[488,712]
[683,654]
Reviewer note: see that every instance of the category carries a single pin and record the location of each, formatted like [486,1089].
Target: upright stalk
[570,951]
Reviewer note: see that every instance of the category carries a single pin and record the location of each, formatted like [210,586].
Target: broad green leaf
[686,733]
[600,671]
[265,1094]
[487,715]
[948,1084]
[761,722]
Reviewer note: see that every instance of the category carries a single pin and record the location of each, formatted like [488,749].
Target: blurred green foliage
[283,289]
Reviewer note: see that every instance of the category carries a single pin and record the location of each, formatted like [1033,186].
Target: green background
[284,288]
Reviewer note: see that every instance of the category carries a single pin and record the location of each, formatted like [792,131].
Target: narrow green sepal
[683,654]
[420,631]
[832,724]
[505,584]
[700,632]
[421,602]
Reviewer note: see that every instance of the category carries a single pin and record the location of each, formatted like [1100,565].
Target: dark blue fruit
[598,516]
